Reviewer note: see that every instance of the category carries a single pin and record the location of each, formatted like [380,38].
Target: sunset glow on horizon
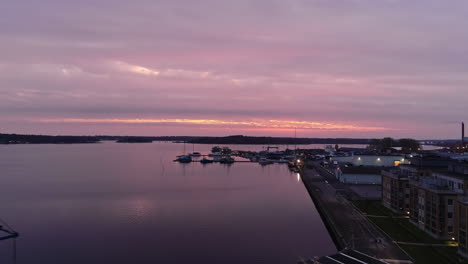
[329,68]
[273,124]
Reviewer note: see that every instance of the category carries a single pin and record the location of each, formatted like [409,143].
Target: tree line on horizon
[406,144]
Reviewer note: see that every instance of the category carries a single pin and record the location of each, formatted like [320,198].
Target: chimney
[463,134]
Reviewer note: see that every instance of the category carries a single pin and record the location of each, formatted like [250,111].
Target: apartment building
[395,190]
[431,207]
[461,225]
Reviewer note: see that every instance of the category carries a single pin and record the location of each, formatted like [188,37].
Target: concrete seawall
[335,234]
[348,228]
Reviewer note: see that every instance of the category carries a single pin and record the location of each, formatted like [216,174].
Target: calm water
[129,203]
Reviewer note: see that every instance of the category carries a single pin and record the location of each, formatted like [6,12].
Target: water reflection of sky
[129,203]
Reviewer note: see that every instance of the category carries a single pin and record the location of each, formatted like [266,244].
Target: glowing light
[298,161]
[359,158]
[136,69]
[298,177]
[270,124]
[378,159]
[453,238]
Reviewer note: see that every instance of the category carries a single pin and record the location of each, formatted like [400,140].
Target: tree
[382,144]
[215,149]
[388,142]
[409,145]
[226,150]
[375,143]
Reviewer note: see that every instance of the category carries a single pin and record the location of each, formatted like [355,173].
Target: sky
[327,68]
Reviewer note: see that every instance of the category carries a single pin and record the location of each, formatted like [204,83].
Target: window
[450,202]
[449,215]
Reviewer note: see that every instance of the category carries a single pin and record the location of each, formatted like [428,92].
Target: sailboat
[292,164]
[194,154]
[184,158]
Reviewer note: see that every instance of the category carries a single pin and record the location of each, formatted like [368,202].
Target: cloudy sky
[330,68]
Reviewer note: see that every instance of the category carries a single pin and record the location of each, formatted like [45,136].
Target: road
[353,230]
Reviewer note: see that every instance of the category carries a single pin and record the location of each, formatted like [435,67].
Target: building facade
[431,208]
[395,190]
[461,225]
[434,193]
[373,160]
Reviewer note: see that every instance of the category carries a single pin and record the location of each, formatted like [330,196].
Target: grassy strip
[373,208]
[432,255]
[400,229]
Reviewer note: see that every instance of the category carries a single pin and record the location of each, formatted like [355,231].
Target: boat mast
[295,144]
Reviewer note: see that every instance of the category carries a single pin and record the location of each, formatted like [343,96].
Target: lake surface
[129,203]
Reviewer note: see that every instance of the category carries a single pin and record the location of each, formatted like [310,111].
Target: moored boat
[184,159]
[226,160]
[264,161]
[205,161]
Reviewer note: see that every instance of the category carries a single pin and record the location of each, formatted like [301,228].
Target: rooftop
[445,172]
[361,169]
[349,257]
[433,185]
[395,173]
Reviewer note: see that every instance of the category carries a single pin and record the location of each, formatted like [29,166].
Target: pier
[349,228]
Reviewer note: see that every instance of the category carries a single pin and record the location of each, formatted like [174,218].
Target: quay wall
[335,234]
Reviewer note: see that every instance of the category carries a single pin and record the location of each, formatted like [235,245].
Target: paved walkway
[387,216]
[353,229]
[425,244]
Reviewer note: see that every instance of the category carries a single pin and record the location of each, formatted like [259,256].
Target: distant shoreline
[229,140]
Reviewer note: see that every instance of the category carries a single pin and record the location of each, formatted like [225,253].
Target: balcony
[463,199]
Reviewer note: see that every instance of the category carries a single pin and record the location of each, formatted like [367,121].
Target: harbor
[227,156]
[213,213]
[357,239]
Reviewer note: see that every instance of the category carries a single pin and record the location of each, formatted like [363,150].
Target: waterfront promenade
[348,227]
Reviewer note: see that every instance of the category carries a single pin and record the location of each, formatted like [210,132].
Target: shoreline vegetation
[231,140]
[378,144]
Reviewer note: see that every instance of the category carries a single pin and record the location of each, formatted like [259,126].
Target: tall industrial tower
[463,133]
